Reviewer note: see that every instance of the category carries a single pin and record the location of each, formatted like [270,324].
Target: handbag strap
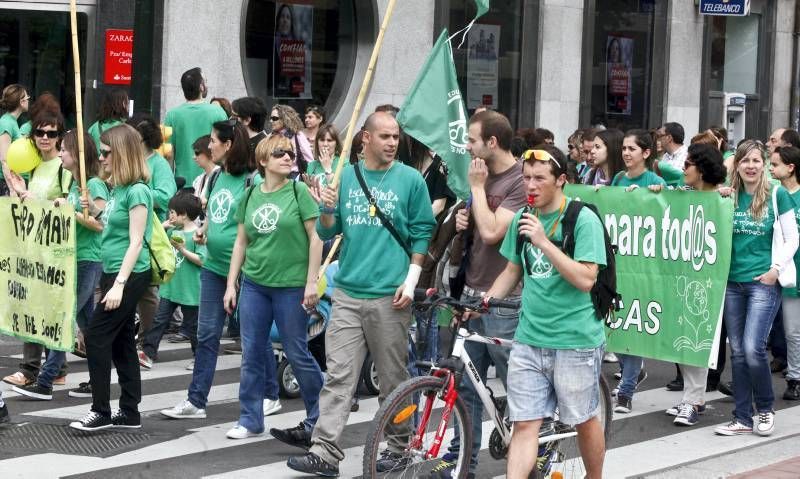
[381,216]
[775,206]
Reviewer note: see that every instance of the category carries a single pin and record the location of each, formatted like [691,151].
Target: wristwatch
[118,280]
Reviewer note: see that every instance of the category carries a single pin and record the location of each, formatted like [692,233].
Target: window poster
[483,45]
[294,28]
[619,63]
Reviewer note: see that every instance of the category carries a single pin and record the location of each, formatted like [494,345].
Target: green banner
[37,272]
[672,270]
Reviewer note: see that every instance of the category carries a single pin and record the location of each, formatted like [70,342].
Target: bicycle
[415,420]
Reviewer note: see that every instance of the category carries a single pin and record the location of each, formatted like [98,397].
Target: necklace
[558,218]
[373,209]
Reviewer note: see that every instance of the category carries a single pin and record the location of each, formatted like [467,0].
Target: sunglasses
[105,153]
[279,154]
[39,133]
[540,155]
[275,118]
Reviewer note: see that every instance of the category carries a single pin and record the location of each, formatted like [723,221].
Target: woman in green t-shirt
[278,252]
[327,147]
[753,293]
[49,180]
[113,111]
[126,275]
[13,103]
[785,167]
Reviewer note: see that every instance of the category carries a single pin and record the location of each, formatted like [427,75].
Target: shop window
[36,51]
[299,52]
[734,54]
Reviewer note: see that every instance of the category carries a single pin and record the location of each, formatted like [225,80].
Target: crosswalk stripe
[162,347]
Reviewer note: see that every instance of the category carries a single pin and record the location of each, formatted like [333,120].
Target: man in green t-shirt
[190,121]
[374,286]
[558,346]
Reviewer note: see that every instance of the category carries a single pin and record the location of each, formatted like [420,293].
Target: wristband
[414,270]
[326,211]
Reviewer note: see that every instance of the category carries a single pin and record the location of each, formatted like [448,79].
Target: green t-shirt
[9,126]
[184,287]
[116,237]
[316,170]
[189,122]
[644,180]
[793,292]
[223,201]
[277,248]
[98,128]
[372,263]
[752,239]
[671,175]
[555,314]
[44,183]
[25,129]
[87,242]
[162,183]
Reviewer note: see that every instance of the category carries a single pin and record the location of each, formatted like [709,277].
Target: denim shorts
[541,380]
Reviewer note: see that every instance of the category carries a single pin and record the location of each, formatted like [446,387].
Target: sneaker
[271,406]
[733,428]
[687,416]
[144,360]
[725,388]
[610,358]
[792,392]
[624,405]
[618,375]
[674,410]
[92,421]
[4,416]
[765,423]
[122,420]
[294,436]
[185,410]
[391,461]
[18,379]
[35,391]
[235,348]
[240,432]
[60,381]
[616,388]
[84,390]
[190,365]
[444,469]
[313,464]
[178,338]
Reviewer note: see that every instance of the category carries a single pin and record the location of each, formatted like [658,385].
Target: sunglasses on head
[540,155]
[279,154]
[39,133]
[105,153]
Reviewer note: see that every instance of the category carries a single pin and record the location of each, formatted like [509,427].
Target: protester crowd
[246,200]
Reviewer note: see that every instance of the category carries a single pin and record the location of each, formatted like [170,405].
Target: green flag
[434,114]
[483,7]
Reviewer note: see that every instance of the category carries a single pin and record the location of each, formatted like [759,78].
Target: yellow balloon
[22,156]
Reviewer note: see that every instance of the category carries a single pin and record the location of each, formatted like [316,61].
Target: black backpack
[604,293]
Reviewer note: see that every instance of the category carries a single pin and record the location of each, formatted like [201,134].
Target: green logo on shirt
[108,209]
[540,266]
[220,205]
[265,218]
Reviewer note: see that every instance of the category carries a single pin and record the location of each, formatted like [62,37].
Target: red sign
[119,57]
[293,57]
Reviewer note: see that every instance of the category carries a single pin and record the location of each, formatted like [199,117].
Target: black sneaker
[294,436]
[624,405]
[4,417]
[92,421]
[725,388]
[122,420]
[392,461]
[792,392]
[313,464]
[84,390]
[35,391]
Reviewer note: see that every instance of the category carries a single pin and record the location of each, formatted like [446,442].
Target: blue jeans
[88,275]
[499,323]
[631,367]
[749,311]
[166,308]
[259,306]
[210,320]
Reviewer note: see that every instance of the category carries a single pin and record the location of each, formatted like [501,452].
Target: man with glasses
[190,121]
[558,346]
[671,136]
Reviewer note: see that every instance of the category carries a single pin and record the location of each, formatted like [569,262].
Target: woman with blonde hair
[126,276]
[753,293]
[285,121]
[278,253]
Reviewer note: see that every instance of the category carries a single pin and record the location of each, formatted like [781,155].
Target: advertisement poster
[119,57]
[294,27]
[482,65]
[619,63]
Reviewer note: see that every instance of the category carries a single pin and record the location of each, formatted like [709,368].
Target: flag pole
[348,139]
[76,63]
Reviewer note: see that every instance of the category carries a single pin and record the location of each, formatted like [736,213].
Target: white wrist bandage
[414,270]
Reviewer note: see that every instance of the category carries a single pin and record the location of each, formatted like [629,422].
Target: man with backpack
[558,247]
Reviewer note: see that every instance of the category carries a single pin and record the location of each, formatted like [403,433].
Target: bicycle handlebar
[431,297]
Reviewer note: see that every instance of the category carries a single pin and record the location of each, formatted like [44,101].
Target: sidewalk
[788,469]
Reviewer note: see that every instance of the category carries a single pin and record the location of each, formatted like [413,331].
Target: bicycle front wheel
[405,427]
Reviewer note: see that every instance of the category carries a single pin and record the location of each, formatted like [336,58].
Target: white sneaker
[240,432]
[732,429]
[765,423]
[190,365]
[271,407]
[185,410]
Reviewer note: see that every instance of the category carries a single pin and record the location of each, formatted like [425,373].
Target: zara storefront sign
[738,8]
[119,57]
